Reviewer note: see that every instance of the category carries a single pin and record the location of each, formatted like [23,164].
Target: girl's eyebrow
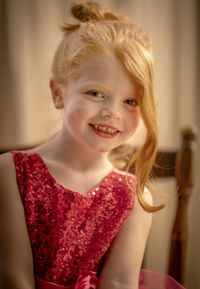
[95,85]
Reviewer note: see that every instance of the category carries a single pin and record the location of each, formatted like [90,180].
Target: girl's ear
[57,94]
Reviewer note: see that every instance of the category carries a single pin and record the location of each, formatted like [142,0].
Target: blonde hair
[99,31]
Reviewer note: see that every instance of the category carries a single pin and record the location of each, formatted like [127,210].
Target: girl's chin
[101,150]
[104,149]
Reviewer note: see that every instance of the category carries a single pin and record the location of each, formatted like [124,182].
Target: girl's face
[101,108]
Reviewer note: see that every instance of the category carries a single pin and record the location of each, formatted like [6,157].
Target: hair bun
[87,11]
[92,11]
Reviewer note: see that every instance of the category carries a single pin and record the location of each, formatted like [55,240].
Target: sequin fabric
[70,232]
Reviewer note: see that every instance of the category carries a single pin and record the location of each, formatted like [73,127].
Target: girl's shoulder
[126,176]
[10,161]
[20,159]
[7,174]
[131,180]
[9,192]
[7,168]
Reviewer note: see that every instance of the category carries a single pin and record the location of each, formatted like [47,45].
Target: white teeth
[105,129]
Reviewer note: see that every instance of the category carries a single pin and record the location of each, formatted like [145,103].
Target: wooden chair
[178,164]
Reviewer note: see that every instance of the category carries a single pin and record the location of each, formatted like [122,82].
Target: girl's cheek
[77,115]
[138,117]
[134,122]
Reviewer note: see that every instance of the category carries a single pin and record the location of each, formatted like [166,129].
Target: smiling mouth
[104,129]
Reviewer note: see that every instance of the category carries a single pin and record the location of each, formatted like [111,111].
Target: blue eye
[132,102]
[96,93]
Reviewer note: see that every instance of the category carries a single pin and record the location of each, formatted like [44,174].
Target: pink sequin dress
[70,233]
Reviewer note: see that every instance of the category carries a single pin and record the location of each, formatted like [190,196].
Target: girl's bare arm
[16,263]
[124,258]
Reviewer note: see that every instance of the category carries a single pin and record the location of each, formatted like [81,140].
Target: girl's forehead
[104,69]
[99,65]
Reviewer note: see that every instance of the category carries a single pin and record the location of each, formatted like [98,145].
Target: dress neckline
[93,191]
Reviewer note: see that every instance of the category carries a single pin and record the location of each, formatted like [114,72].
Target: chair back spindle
[184,176]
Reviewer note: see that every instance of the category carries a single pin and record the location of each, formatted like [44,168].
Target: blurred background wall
[29,35]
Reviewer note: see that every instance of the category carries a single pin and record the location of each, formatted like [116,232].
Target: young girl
[69,218]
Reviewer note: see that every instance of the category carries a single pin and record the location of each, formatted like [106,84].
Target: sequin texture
[70,232]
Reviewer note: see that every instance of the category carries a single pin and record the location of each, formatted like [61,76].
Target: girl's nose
[109,113]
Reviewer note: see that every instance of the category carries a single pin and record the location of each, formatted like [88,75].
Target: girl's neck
[70,153]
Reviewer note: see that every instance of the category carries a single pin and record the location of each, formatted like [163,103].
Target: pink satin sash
[88,280]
